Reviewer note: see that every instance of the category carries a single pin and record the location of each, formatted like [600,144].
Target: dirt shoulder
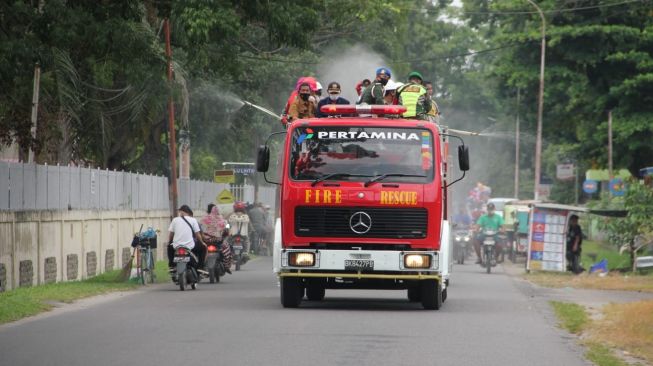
[618,307]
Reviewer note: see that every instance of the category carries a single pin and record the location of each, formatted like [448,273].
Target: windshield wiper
[383,176]
[333,175]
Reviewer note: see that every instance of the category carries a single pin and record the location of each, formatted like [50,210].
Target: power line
[461,54]
[562,10]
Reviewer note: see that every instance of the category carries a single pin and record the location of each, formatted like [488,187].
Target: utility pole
[172,138]
[540,106]
[517,146]
[35,110]
[610,144]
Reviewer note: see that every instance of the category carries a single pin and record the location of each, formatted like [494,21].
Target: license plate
[181,259]
[358,264]
[238,247]
[488,242]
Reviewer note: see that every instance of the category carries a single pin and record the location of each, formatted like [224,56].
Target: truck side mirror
[263,158]
[463,158]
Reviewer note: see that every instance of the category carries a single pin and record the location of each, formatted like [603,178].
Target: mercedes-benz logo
[360,222]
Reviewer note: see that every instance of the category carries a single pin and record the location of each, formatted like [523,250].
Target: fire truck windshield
[360,153]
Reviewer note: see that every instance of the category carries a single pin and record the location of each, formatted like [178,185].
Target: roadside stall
[547,236]
[516,221]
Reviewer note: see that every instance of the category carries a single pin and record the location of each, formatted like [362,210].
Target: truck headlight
[417,261]
[458,238]
[301,259]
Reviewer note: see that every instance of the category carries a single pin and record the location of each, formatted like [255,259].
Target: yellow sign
[225,197]
[398,198]
[224,176]
[323,196]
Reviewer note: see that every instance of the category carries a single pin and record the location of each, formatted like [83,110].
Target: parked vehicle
[186,273]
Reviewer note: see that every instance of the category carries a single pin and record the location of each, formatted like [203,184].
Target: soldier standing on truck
[373,94]
[414,97]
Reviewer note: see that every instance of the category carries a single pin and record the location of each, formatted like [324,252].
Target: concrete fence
[38,247]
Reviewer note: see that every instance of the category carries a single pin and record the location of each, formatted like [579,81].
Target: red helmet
[239,206]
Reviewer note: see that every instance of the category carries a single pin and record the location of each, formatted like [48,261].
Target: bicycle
[145,271]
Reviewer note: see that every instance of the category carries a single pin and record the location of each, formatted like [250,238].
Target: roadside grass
[573,317]
[604,251]
[27,301]
[627,327]
[602,356]
[161,274]
[614,280]
[611,281]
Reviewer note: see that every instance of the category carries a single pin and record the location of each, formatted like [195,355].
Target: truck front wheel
[431,294]
[292,292]
[315,290]
[414,294]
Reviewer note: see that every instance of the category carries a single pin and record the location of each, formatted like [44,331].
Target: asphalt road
[487,320]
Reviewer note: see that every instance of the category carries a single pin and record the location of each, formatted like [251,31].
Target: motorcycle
[186,273]
[489,244]
[461,245]
[238,244]
[214,262]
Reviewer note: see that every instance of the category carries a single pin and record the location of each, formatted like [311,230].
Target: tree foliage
[104,89]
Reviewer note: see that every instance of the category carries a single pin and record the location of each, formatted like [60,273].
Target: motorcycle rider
[488,221]
[213,227]
[239,223]
[185,232]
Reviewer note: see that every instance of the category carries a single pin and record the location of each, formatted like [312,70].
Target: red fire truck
[362,204]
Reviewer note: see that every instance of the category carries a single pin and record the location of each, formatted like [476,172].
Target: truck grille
[334,222]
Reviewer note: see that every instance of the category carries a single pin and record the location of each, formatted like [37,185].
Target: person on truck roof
[373,94]
[414,97]
[435,110]
[293,96]
[390,92]
[302,106]
[333,98]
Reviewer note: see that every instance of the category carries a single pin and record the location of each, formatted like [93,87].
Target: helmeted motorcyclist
[239,223]
[488,221]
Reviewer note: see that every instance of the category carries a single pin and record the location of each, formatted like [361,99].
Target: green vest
[409,97]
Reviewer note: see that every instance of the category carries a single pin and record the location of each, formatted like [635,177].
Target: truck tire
[414,294]
[431,294]
[315,292]
[292,292]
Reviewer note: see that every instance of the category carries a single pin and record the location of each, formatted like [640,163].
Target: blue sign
[617,187]
[537,256]
[590,186]
[538,237]
[539,217]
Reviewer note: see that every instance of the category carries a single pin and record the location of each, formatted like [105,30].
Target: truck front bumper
[360,264]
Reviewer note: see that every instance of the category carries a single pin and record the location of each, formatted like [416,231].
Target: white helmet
[390,85]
